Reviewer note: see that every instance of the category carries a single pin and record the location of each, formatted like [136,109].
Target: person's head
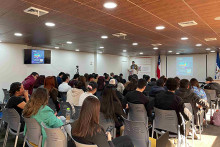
[96,76]
[160,83]
[91,78]
[16,89]
[39,81]
[86,76]
[121,75]
[153,80]
[107,102]
[112,74]
[163,78]
[209,80]
[113,83]
[82,79]
[61,74]
[49,83]
[118,78]
[101,83]
[147,78]
[65,78]
[88,119]
[38,98]
[194,82]
[35,75]
[178,80]
[79,85]
[135,76]
[132,85]
[184,83]
[171,84]
[76,76]
[107,77]
[129,77]
[92,87]
[142,84]
[133,62]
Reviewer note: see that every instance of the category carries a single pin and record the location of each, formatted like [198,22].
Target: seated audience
[137,96]
[120,86]
[129,79]
[91,90]
[131,86]
[83,80]
[149,86]
[101,86]
[59,78]
[17,101]
[74,81]
[87,130]
[158,88]
[37,108]
[112,75]
[64,87]
[50,84]
[39,83]
[111,106]
[74,94]
[178,81]
[167,100]
[147,78]
[107,78]
[96,76]
[194,84]
[28,82]
[212,85]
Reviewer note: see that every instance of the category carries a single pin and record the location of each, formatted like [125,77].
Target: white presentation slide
[184,66]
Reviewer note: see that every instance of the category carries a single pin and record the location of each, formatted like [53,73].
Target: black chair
[77,112]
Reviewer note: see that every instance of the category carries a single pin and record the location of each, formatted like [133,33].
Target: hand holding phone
[109,129]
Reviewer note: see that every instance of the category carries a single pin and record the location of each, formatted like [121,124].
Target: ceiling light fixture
[217,18]
[212,51]
[56,47]
[208,49]
[124,51]
[50,24]
[69,42]
[198,44]
[77,50]
[110,5]
[155,48]
[101,47]
[170,51]
[184,38]
[141,53]
[104,37]
[177,53]
[18,34]
[134,43]
[160,27]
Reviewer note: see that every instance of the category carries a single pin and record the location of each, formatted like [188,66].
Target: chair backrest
[6,95]
[63,107]
[55,137]
[189,107]
[83,145]
[105,123]
[166,120]
[137,112]
[211,94]
[138,132]
[77,112]
[12,117]
[33,132]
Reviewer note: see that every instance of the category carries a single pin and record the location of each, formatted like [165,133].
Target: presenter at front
[134,68]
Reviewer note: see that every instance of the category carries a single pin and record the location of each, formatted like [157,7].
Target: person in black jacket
[212,85]
[87,130]
[149,86]
[167,100]
[158,88]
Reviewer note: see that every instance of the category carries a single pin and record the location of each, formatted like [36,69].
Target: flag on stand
[217,72]
[158,67]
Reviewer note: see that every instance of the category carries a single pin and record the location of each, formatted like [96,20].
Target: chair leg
[18,132]
[179,137]
[16,140]
[6,136]
[200,132]
[25,140]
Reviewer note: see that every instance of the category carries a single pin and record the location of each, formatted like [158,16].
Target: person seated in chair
[212,85]
[64,87]
[158,88]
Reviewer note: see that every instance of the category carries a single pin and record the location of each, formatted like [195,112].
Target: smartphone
[109,129]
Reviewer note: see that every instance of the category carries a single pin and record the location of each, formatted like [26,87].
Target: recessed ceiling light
[69,42]
[56,47]
[50,24]
[217,18]
[104,37]
[134,43]
[170,51]
[0,41]
[141,53]
[155,48]
[101,47]
[177,53]
[124,51]
[18,34]
[198,44]
[77,50]
[110,5]
[160,27]
[208,49]
[184,38]
[212,51]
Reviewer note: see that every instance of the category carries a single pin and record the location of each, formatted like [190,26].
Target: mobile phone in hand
[109,129]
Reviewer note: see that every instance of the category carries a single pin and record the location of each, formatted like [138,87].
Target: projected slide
[184,66]
[37,57]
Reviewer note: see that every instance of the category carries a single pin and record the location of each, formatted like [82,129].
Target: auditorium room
[109,73]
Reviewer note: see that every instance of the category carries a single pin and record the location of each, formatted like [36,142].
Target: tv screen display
[33,56]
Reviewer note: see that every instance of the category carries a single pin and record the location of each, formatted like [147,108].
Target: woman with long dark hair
[87,130]
[131,86]
[101,86]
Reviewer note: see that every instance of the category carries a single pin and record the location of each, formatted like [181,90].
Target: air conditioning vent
[210,39]
[187,23]
[35,11]
[120,35]
[156,44]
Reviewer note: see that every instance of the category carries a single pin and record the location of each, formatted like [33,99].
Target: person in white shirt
[64,87]
[91,90]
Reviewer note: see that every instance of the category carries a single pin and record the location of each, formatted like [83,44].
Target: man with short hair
[137,96]
[28,82]
[212,85]
[149,86]
[74,81]
[158,88]
[64,87]
[59,78]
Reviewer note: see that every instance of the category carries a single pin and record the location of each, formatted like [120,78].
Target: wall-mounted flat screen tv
[34,56]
